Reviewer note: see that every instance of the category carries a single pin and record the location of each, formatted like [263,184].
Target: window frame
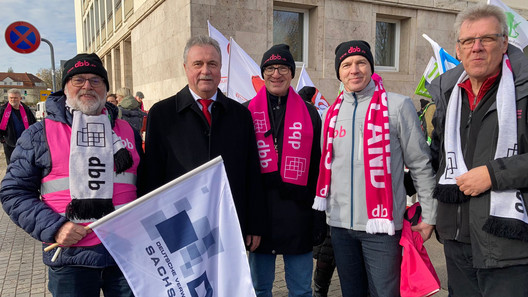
[305,28]
[397,44]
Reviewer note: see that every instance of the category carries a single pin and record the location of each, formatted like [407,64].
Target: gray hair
[201,40]
[478,12]
[123,92]
[15,92]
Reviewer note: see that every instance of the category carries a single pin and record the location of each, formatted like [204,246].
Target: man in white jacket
[368,137]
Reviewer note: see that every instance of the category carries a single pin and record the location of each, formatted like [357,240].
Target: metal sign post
[24,38]
[53,88]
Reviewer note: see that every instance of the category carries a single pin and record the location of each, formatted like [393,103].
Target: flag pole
[229,66]
[142,199]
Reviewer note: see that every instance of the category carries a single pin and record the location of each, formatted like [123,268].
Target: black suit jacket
[179,139]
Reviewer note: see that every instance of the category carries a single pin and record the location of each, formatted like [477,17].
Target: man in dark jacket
[198,124]
[288,133]
[130,111]
[48,192]
[14,121]
[481,139]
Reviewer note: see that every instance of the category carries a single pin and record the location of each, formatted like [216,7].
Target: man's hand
[474,182]
[70,233]
[252,242]
[425,230]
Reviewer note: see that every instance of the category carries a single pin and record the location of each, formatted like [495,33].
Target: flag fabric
[431,72]
[245,78]
[182,239]
[319,101]
[445,61]
[517,25]
[224,47]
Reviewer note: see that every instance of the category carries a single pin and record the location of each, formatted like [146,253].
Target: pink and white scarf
[376,147]
[7,114]
[297,142]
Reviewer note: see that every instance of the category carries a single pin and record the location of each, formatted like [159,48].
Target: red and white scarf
[297,142]
[376,147]
[7,114]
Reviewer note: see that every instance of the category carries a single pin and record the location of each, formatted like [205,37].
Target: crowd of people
[298,180]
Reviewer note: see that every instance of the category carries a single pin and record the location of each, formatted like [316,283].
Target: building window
[109,9]
[387,44]
[290,26]
[96,16]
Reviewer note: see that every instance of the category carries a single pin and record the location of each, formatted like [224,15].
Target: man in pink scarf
[287,131]
[16,117]
[369,135]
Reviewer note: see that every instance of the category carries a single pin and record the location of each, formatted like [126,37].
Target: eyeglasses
[78,81]
[484,40]
[282,70]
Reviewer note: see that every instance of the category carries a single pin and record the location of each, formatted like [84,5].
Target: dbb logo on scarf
[295,138]
[95,173]
[126,143]
[519,206]
[380,211]
[263,150]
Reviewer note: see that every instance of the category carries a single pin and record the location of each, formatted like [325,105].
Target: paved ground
[23,274]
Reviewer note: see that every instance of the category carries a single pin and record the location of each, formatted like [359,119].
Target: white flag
[183,239]
[517,25]
[445,61]
[245,79]
[431,72]
[319,101]
[224,47]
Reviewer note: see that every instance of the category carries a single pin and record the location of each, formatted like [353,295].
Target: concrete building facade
[141,42]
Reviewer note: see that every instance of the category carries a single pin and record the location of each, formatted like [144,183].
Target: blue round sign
[22,37]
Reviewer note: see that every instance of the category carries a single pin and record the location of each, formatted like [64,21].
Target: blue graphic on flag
[192,239]
[201,287]
[180,239]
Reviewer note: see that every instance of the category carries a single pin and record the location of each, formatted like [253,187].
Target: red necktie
[205,108]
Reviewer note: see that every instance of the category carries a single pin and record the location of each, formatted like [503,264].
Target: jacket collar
[186,100]
[363,95]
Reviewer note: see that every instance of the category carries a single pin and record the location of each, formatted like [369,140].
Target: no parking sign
[22,37]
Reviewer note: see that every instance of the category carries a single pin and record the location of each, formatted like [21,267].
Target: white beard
[86,107]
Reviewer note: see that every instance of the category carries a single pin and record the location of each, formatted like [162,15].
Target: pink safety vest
[55,186]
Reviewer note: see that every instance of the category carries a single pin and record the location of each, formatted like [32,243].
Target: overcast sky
[55,21]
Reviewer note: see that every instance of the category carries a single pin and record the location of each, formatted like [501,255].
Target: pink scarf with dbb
[7,114]
[376,148]
[297,141]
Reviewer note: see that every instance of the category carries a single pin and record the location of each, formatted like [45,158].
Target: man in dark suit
[198,124]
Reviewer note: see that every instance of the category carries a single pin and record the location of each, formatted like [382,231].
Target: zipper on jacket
[468,130]
[352,162]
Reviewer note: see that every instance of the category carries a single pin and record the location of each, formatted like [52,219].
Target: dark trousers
[70,281]
[367,263]
[466,281]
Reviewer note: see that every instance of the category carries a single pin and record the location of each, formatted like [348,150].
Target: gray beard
[92,108]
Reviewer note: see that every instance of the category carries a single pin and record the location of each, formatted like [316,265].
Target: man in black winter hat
[369,135]
[69,170]
[287,131]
